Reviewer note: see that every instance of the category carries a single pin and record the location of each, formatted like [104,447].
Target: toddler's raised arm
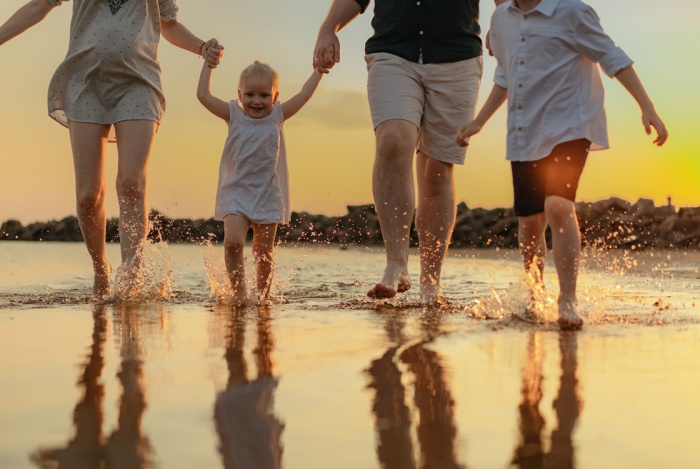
[296,102]
[216,106]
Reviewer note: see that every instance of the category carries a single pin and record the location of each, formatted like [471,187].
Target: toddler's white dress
[253,175]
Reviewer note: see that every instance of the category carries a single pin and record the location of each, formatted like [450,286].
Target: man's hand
[326,52]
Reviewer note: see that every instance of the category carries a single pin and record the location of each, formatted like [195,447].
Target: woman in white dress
[108,82]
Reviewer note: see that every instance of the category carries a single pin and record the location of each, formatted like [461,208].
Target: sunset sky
[330,142]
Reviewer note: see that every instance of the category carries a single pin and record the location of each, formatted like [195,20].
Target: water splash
[148,277]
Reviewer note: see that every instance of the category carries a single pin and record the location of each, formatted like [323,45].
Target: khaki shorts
[436,98]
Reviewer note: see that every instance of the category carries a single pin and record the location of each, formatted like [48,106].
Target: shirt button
[520,106]
[524,17]
[520,85]
[522,39]
[522,62]
[520,129]
[417,3]
[421,32]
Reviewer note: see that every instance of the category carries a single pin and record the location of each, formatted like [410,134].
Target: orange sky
[330,142]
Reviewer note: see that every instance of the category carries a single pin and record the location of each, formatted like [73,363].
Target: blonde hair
[259,68]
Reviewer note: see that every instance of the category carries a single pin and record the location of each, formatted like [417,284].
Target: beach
[326,378]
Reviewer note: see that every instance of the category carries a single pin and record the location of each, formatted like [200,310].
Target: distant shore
[609,223]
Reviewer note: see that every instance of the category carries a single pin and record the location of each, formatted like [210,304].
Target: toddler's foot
[569,320]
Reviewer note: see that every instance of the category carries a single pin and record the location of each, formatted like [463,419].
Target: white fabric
[547,60]
[253,175]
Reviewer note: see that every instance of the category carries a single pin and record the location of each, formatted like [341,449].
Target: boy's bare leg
[394,200]
[134,144]
[235,232]
[435,220]
[88,143]
[263,250]
[566,244]
[532,242]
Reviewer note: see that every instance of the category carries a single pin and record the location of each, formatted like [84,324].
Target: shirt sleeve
[168,10]
[596,46]
[363,5]
[56,3]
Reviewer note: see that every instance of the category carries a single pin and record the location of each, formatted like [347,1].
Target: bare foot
[381,292]
[569,320]
[404,283]
[101,288]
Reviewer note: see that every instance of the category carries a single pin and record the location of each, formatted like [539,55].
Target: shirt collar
[546,7]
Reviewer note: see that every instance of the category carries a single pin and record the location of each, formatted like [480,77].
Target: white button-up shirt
[547,60]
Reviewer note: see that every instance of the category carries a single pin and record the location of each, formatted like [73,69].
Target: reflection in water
[530,453]
[249,432]
[436,430]
[125,447]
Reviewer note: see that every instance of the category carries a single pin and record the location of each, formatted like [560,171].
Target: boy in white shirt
[547,51]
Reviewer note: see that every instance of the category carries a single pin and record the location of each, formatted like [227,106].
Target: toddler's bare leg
[263,247]
[88,143]
[235,231]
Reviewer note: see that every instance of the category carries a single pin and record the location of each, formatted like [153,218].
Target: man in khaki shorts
[424,69]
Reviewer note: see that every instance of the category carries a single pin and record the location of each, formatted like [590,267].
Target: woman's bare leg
[235,232]
[263,247]
[88,143]
[134,144]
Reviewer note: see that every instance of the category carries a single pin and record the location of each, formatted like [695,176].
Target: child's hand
[213,53]
[321,70]
[465,131]
[652,119]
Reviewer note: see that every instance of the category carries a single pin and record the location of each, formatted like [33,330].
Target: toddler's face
[257,95]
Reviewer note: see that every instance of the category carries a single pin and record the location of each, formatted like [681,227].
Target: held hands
[213,52]
[327,52]
[465,131]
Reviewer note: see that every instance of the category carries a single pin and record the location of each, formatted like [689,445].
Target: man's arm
[630,80]
[327,50]
[27,16]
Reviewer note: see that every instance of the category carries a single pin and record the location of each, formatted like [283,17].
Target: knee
[132,187]
[396,141]
[560,211]
[90,200]
[436,176]
[234,244]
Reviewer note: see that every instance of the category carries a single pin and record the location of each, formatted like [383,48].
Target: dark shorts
[557,174]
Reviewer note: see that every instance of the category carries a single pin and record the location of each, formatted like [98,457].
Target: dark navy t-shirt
[438,30]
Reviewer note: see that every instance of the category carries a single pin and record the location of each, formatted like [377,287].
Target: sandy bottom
[207,386]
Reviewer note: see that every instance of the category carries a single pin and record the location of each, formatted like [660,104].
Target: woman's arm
[215,105]
[296,102]
[30,14]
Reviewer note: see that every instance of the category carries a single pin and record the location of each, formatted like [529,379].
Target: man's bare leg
[88,143]
[566,244]
[394,200]
[435,220]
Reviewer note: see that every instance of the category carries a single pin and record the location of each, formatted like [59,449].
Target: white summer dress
[253,175]
[111,72]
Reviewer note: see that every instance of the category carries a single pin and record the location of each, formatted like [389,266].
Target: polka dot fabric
[111,72]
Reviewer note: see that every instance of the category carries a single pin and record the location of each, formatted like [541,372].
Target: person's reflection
[249,432]
[567,407]
[433,401]
[125,447]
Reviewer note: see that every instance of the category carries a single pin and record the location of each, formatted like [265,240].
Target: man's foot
[569,320]
[381,292]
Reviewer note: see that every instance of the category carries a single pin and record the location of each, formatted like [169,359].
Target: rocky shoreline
[610,223]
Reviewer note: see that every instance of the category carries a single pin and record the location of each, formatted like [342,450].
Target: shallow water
[324,378]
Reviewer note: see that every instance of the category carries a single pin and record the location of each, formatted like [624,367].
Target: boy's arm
[496,98]
[27,16]
[296,102]
[630,80]
[215,105]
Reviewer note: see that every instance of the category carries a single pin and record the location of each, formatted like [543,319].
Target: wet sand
[190,386]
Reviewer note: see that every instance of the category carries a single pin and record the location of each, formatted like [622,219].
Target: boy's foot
[569,320]
[404,283]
